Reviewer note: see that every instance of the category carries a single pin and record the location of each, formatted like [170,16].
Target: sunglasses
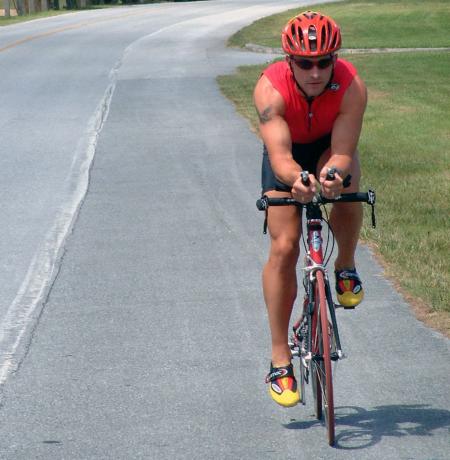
[306,64]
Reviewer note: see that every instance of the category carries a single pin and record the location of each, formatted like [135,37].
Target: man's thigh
[284,222]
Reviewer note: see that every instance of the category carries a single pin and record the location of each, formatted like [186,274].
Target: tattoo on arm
[265,115]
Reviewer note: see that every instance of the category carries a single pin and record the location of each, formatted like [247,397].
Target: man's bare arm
[266,115]
[275,131]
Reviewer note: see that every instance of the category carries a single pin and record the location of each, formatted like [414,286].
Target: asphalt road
[132,321]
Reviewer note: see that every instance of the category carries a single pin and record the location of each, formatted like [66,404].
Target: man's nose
[315,72]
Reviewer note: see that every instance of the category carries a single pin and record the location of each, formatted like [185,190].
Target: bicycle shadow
[359,428]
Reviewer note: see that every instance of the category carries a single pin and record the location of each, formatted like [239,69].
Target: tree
[20,7]
[7,7]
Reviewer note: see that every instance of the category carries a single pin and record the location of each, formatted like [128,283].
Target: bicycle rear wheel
[322,377]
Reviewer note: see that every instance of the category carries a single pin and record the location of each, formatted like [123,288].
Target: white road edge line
[23,311]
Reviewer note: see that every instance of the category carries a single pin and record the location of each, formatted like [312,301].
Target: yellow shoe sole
[350,300]
[287,399]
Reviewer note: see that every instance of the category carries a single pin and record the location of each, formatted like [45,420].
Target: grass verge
[405,156]
[366,24]
[29,17]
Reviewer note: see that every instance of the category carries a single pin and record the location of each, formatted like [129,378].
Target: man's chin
[314,90]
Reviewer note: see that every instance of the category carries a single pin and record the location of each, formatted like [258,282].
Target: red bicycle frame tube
[314,228]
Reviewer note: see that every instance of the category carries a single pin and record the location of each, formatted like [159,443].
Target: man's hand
[304,193]
[331,188]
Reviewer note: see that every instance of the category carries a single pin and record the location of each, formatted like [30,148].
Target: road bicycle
[315,336]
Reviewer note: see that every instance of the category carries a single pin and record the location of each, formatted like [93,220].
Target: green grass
[367,24]
[16,19]
[405,154]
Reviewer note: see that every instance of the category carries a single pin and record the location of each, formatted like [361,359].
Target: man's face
[312,74]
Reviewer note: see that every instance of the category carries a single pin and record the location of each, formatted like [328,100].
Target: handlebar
[362,197]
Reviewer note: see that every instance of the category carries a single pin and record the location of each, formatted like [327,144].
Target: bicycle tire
[303,368]
[315,367]
[323,369]
[303,371]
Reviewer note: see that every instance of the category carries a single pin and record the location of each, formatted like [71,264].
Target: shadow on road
[358,428]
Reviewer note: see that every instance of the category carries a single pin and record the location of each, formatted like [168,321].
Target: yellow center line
[63,29]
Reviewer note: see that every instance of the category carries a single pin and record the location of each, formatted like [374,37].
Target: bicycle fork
[301,340]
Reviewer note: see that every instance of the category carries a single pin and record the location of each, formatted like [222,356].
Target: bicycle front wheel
[322,375]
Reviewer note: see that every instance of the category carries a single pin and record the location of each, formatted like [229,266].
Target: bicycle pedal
[338,355]
[337,305]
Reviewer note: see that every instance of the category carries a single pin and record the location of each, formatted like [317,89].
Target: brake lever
[371,200]
[305,178]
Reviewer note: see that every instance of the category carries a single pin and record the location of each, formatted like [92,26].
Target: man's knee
[284,253]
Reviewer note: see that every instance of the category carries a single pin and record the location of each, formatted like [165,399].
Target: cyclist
[311,108]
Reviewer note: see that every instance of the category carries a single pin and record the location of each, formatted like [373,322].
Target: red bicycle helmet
[311,34]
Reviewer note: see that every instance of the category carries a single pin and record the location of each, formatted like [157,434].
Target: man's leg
[346,221]
[279,275]
[346,218]
[280,291]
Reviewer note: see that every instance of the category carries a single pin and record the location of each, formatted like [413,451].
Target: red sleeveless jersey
[310,121]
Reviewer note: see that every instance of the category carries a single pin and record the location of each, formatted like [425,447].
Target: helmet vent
[312,38]
[323,37]
[294,39]
[312,33]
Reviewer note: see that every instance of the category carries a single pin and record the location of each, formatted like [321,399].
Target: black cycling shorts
[306,155]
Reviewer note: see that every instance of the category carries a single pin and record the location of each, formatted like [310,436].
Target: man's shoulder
[345,69]
[281,64]
[280,77]
[276,69]
[344,75]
